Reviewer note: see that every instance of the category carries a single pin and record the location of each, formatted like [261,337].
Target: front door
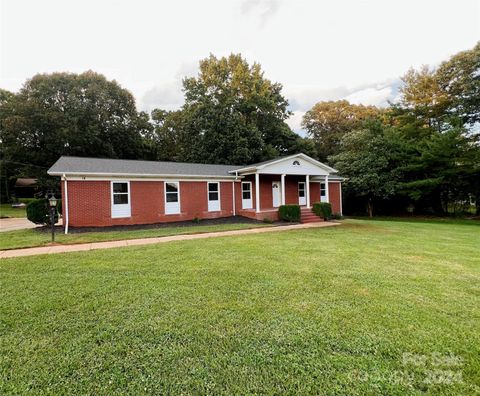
[276,194]
[247,195]
[302,198]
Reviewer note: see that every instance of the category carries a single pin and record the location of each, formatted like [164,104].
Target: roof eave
[139,175]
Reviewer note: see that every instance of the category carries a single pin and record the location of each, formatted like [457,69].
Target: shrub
[267,220]
[289,213]
[38,211]
[336,216]
[323,209]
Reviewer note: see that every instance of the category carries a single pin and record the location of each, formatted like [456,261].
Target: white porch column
[283,189]
[307,182]
[327,193]
[257,192]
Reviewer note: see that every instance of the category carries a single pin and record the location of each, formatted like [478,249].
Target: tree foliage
[327,122]
[233,114]
[67,114]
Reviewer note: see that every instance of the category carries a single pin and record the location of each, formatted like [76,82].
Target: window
[296,163]
[246,190]
[120,193]
[172,192]
[120,199]
[213,191]
[323,190]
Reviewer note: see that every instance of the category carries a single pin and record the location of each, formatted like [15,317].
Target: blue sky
[319,50]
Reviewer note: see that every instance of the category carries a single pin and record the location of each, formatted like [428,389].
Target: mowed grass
[41,237]
[370,307]
[6,211]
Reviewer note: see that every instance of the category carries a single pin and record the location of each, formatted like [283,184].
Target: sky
[319,50]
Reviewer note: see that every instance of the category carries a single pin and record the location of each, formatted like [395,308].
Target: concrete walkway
[149,241]
[19,223]
[16,223]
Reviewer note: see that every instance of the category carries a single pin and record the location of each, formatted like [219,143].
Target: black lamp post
[52,202]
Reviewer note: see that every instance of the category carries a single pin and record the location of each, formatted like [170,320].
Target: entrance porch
[262,194]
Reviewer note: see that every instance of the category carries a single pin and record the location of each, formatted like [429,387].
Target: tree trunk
[370,207]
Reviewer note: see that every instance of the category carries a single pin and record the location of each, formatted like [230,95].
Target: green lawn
[38,237]
[6,210]
[370,307]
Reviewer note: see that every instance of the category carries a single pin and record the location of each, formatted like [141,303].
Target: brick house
[106,192]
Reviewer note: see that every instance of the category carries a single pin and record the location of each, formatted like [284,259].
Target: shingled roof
[103,166]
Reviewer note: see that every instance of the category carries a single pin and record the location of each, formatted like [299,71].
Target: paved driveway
[12,224]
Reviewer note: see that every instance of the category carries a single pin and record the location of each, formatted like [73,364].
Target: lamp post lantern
[52,202]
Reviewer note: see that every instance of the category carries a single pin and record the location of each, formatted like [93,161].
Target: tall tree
[459,78]
[233,114]
[370,159]
[327,122]
[68,114]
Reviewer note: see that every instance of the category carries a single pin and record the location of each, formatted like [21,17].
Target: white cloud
[295,122]
[375,96]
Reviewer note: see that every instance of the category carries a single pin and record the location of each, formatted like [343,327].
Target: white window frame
[244,204]
[216,205]
[119,211]
[170,204]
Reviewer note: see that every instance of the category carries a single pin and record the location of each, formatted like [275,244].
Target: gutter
[66,203]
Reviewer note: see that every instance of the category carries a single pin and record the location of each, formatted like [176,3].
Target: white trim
[128,211]
[250,206]
[65,204]
[139,175]
[159,179]
[299,155]
[257,193]
[234,206]
[177,182]
[283,188]
[307,183]
[327,190]
[208,197]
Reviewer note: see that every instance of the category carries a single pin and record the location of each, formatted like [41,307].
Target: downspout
[233,195]
[66,203]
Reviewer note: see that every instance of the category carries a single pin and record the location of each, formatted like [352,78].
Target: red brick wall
[314,193]
[89,203]
[334,196]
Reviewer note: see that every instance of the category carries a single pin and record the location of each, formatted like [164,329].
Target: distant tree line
[420,153]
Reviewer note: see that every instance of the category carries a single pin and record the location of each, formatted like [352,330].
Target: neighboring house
[25,187]
[106,192]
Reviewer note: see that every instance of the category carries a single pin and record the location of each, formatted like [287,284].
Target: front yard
[370,307]
[42,236]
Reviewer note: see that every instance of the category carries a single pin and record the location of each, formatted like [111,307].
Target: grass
[370,307]
[40,237]
[6,209]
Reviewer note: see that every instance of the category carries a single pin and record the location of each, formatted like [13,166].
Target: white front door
[213,197]
[276,194]
[247,195]
[302,198]
[172,197]
[323,193]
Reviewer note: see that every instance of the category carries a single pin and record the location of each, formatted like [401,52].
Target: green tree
[68,114]
[370,159]
[459,78]
[233,114]
[327,122]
